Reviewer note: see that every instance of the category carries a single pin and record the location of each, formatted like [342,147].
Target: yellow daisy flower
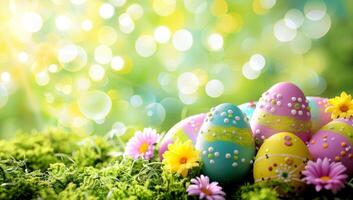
[341,106]
[181,157]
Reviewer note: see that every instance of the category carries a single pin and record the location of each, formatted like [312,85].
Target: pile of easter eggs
[273,137]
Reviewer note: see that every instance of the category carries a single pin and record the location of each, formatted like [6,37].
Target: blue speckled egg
[226,144]
[248,108]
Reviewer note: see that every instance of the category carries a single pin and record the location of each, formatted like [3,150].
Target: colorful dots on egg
[283,108]
[283,156]
[334,141]
[186,129]
[226,143]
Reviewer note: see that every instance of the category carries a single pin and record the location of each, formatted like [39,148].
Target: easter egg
[334,141]
[281,157]
[226,144]
[183,130]
[248,108]
[282,108]
[319,117]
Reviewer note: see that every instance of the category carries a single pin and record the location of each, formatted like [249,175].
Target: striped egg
[226,144]
[186,129]
[282,108]
[334,141]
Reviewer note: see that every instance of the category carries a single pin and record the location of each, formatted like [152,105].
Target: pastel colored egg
[226,144]
[319,117]
[282,108]
[183,130]
[334,141]
[248,108]
[281,157]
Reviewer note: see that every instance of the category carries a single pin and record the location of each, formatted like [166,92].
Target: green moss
[63,165]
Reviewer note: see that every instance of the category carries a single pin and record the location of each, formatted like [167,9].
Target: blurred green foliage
[56,56]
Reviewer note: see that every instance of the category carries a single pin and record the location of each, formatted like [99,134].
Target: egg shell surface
[319,117]
[226,144]
[248,108]
[186,129]
[281,157]
[282,108]
[334,141]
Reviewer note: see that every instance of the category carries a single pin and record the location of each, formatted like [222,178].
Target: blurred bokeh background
[99,67]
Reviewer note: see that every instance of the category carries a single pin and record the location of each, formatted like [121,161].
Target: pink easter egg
[334,141]
[282,108]
[187,129]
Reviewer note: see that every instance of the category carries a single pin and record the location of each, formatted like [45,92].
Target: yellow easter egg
[282,157]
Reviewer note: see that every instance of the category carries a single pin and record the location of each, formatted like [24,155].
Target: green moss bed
[57,164]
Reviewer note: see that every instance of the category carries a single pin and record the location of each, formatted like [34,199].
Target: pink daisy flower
[325,174]
[202,187]
[142,144]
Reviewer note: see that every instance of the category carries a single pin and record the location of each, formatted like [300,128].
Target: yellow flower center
[344,108]
[325,178]
[143,148]
[183,160]
[206,191]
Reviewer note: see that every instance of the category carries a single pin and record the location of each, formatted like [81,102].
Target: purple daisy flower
[325,174]
[202,187]
[142,144]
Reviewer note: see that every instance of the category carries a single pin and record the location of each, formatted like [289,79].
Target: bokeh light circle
[87,25]
[182,40]
[145,46]
[118,129]
[188,83]
[294,18]
[135,11]
[72,57]
[5,77]
[214,88]
[249,72]
[96,72]
[257,62]
[162,34]
[94,105]
[284,33]
[31,22]
[317,29]
[117,63]
[315,10]
[63,23]
[155,113]
[126,24]
[215,42]
[106,11]
[136,101]
[102,54]
[42,78]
